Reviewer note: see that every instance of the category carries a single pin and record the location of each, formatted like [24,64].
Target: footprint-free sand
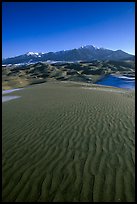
[62,142]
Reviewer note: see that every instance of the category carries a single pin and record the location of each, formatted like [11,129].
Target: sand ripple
[67,143]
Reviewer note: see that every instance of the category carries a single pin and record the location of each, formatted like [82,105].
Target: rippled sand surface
[62,142]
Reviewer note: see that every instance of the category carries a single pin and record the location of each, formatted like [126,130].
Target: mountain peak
[32,53]
[83,53]
[90,47]
[120,51]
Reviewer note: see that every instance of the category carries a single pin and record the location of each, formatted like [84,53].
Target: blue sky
[45,26]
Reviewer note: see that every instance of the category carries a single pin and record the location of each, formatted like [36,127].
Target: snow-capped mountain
[84,53]
[35,54]
[32,53]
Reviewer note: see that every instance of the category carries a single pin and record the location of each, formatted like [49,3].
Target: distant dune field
[66,142]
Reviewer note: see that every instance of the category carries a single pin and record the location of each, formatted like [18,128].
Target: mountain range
[84,53]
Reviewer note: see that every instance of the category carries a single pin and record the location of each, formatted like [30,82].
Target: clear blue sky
[45,26]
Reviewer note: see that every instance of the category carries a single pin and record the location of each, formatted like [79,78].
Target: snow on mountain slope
[84,53]
[32,53]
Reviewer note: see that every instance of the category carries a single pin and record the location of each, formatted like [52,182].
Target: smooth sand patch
[65,143]
[104,89]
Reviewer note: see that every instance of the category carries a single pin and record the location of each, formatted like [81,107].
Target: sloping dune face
[65,143]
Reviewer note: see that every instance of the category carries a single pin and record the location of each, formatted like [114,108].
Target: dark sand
[62,142]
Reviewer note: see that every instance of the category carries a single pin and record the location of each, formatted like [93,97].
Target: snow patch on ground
[10,91]
[9,98]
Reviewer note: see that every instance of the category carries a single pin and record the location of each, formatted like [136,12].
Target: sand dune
[65,143]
